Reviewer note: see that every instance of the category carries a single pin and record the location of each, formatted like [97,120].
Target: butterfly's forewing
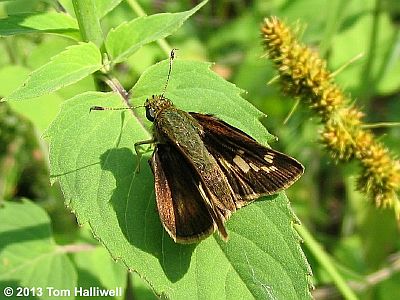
[183,211]
[252,169]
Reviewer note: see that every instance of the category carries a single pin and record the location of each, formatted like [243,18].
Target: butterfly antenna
[113,108]
[171,58]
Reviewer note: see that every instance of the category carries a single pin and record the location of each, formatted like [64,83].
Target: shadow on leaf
[26,234]
[135,206]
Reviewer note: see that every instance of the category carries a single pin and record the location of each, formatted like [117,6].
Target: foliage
[55,67]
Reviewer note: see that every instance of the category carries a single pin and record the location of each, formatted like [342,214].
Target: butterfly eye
[150,114]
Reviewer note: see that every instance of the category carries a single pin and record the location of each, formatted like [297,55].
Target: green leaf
[68,67]
[49,22]
[29,256]
[93,158]
[96,269]
[127,38]
[41,111]
[141,288]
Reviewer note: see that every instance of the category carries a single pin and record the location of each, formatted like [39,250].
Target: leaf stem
[89,24]
[326,262]
[76,248]
[117,87]
[381,124]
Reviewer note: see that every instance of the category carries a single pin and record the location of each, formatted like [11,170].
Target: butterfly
[205,169]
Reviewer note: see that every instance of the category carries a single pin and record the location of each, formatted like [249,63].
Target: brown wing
[182,209]
[252,169]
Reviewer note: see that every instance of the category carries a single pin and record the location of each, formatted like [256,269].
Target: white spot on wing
[266,169]
[244,166]
[254,167]
[268,158]
[273,168]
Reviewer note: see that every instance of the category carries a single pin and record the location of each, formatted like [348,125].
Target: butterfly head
[154,105]
[158,103]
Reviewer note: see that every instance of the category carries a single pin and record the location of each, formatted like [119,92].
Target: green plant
[352,247]
[92,157]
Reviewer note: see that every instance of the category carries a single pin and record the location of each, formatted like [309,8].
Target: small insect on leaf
[205,169]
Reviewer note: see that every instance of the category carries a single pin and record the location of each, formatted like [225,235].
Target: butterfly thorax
[174,125]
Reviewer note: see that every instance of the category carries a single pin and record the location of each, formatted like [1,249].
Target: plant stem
[368,79]
[334,20]
[59,7]
[117,87]
[89,24]
[141,13]
[136,8]
[370,280]
[326,262]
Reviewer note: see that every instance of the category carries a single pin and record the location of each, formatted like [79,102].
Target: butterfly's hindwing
[252,169]
[182,209]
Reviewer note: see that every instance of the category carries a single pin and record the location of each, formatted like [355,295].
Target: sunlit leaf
[93,158]
[127,38]
[68,67]
[48,22]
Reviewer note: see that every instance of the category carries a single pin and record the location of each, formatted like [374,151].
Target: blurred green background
[362,239]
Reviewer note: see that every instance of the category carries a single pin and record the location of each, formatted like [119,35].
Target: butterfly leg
[138,152]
